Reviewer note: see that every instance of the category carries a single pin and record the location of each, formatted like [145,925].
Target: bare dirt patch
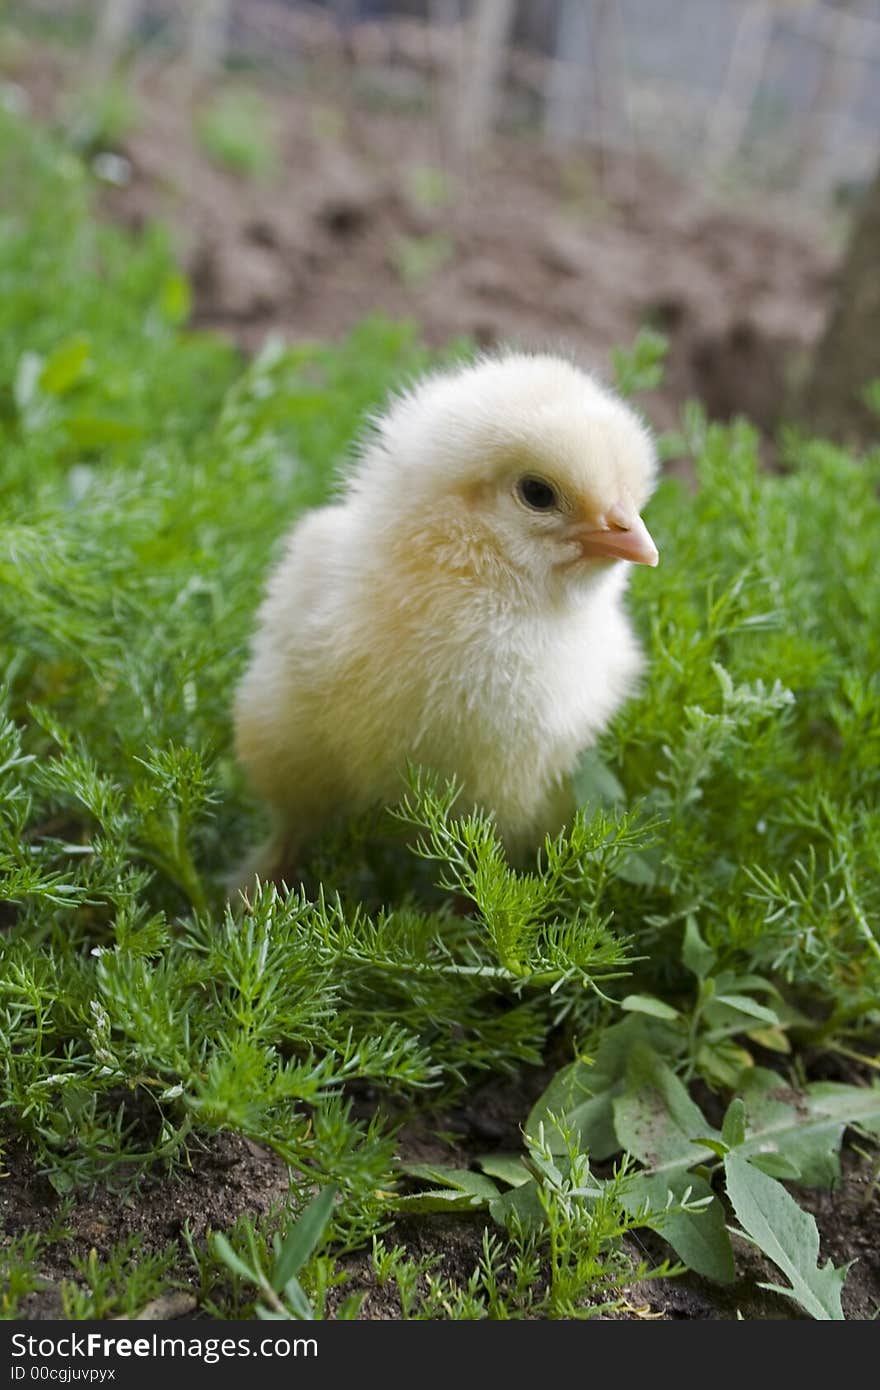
[370,209]
[229,1176]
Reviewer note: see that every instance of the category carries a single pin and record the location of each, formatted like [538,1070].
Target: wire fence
[784,93]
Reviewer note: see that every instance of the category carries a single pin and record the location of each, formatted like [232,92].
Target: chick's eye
[537,494]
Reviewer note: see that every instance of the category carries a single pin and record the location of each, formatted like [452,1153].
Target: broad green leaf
[695,954]
[567,1088]
[461,1180]
[524,1202]
[773,1039]
[594,784]
[593,1124]
[746,1005]
[787,1235]
[658,1123]
[583,1093]
[647,1004]
[859,1105]
[569,1097]
[639,867]
[804,1128]
[733,1130]
[509,1168]
[64,367]
[440,1199]
[655,1118]
[723,1062]
[699,1238]
[715,1146]
[776,1165]
[303,1237]
[729,982]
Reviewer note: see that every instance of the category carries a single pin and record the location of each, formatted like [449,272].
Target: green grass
[715,903]
[417,259]
[101,117]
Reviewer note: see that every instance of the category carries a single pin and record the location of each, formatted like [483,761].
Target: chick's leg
[273,861]
[289,771]
[528,823]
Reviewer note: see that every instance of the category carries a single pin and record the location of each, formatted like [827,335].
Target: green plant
[236,131]
[100,117]
[563,1255]
[120,1285]
[641,367]
[776,1224]
[281,1292]
[18,1273]
[419,258]
[630,1098]
[429,187]
[409,1276]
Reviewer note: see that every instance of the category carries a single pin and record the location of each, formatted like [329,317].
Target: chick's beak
[621,536]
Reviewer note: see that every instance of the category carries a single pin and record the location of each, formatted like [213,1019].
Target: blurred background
[546,172]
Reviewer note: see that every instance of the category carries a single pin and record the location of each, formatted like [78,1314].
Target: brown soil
[230,1175]
[521,245]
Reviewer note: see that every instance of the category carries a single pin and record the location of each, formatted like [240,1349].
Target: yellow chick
[460,606]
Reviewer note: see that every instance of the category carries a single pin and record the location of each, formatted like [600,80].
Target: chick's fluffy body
[429,616]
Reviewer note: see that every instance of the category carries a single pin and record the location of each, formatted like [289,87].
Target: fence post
[207,36]
[116,24]
[492,23]
[565,115]
[748,60]
[839,78]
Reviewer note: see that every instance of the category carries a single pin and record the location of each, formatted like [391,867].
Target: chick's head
[519,465]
